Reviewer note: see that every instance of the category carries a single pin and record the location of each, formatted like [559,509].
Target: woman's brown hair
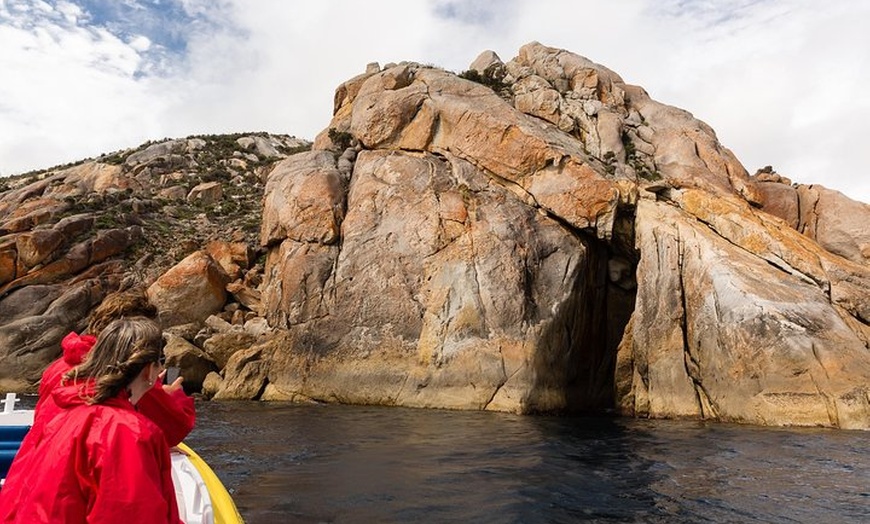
[123,349]
[121,304]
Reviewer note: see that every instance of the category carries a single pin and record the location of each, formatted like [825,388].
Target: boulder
[211,384]
[216,324]
[488,63]
[246,372]
[75,225]
[159,150]
[780,200]
[29,214]
[194,363]
[261,145]
[190,291]
[304,200]
[206,194]
[36,246]
[8,262]
[90,177]
[173,193]
[247,296]
[221,347]
[233,257]
[836,222]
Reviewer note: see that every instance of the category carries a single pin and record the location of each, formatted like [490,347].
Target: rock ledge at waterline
[536,236]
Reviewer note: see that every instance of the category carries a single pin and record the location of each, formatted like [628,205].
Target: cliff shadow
[575,365]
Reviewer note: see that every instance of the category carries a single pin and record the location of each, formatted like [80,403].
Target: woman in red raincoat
[98,460]
[166,405]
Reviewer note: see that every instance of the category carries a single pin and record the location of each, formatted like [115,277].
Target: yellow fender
[225,511]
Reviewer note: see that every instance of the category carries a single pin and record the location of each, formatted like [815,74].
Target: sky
[784,83]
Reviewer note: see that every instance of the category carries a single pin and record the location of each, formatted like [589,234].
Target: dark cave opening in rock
[578,357]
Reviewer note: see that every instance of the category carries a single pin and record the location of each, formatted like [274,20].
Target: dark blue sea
[289,463]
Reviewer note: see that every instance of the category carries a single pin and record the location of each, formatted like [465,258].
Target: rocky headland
[527,236]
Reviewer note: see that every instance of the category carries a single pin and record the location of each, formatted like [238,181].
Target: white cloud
[71,92]
[784,86]
[782,82]
[71,12]
[140,43]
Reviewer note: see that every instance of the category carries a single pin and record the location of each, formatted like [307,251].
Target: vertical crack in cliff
[400,388]
[331,289]
[830,404]
[807,222]
[698,153]
[333,274]
[799,204]
[501,384]
[818,359]
[445,240]
[692,366]
[474,270]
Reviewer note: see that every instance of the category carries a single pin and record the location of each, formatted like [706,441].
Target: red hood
[70,395]
[75,347]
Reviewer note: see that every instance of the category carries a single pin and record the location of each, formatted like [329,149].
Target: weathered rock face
[836,222]
[475,277]
[726,333]
[558,242]
[69,236]
[36,318]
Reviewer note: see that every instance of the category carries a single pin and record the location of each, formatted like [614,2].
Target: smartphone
[172,373]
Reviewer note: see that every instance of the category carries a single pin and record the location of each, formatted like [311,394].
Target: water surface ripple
[349,464]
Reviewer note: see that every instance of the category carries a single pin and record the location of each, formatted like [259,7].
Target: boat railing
[9,402]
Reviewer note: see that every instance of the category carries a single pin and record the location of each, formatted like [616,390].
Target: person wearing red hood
[98,460]
[166,405]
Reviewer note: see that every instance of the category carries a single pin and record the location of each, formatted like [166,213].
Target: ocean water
[349,464]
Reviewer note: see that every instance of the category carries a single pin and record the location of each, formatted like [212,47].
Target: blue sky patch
[164,22]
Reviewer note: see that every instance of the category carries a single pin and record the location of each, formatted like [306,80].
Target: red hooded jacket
[74,347]
[173,413]
[101,463]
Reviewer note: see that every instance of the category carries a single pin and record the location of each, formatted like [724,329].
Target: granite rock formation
[538,235]
[527,236]
[71,235]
